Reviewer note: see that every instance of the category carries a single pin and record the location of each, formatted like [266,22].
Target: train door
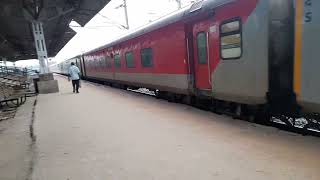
[77,62]
[201,55]
[83,66]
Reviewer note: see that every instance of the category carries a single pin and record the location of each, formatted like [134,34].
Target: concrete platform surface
[16,146]
[110,134]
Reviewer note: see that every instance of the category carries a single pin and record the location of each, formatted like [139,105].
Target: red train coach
[176,54]
[155,59]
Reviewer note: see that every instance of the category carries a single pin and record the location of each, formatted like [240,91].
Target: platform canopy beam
[16,17]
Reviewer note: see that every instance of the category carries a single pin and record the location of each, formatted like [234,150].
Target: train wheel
[161,94]
[171,97]
[262,115]
[189,100]
[215,107]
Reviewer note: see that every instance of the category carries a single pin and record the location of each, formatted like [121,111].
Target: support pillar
[5,70]
[4,61]
[40,45]
[46,83]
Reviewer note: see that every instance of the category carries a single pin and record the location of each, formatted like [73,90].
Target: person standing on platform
[74,75]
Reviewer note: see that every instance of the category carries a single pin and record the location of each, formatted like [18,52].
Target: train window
[108,60]
[92,64]
[147,57]
[231,39]
[202,47]
[129,60]
[117,61]
[89,64]
[101,64]
[96,63]
[230,27]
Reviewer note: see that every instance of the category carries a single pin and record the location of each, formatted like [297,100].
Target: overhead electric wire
[113,22]
[119,25]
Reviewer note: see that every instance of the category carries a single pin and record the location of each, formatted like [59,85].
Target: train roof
[187,12]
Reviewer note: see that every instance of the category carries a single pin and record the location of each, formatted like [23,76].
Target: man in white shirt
[74,74]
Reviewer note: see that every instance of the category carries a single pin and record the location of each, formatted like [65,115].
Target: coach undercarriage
[264,114]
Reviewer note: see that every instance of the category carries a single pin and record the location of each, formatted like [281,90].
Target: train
[253,59]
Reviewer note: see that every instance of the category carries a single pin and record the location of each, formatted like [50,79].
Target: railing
[7,70]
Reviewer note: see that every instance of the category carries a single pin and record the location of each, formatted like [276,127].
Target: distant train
[241,57]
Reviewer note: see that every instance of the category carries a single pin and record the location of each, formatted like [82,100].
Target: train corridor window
[129,60]
[117,61]
[231,39]
[202,47]
[147,57]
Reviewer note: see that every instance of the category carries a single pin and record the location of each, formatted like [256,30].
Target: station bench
[9,95]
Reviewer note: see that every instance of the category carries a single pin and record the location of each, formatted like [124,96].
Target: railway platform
[108,133]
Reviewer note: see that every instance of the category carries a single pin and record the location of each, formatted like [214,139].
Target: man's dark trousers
[75,85]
